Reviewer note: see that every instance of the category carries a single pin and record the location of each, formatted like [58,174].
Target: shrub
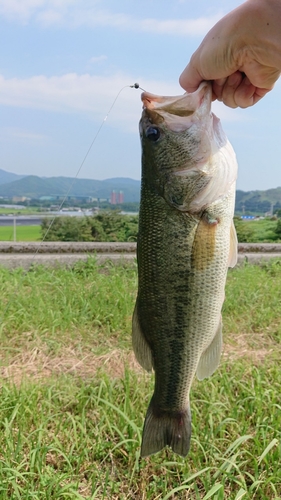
[278,228]
[105,226]
[244,232]
[66,229]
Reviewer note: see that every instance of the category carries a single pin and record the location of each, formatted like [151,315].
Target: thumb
[190,78]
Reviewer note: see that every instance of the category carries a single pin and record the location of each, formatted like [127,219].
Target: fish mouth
[178,112]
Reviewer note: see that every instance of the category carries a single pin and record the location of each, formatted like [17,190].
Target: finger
[247,94]
[229,89]
[190,78]
[217,87]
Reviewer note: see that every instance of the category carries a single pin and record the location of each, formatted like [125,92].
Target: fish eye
[153,133]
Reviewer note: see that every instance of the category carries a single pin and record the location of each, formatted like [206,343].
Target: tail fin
[161,428]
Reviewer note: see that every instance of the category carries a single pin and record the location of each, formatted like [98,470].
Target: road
[35,220]
[20,220]
[24,255]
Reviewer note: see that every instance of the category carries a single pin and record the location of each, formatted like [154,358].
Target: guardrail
[63,253]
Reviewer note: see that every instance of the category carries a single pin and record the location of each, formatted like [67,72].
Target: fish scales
[186,242]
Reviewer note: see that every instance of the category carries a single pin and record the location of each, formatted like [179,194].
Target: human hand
[241,54]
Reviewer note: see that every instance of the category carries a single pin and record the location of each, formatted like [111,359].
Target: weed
[73,401]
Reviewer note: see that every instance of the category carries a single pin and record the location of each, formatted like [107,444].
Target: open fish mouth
[177,112]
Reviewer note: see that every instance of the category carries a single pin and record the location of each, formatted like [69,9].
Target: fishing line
[135,86]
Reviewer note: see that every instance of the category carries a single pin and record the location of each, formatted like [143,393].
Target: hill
[32,186]
[6,177]
[258,201]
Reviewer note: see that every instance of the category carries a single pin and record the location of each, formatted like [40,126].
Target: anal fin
[140,346]
[210,358]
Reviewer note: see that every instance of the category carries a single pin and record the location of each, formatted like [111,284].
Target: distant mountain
[8,177]
[32,186]
[258,201]
[122,180]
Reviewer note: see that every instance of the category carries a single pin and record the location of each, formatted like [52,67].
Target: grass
[264,230]
[20,211]
[258,231]
[73,399]
[23,233]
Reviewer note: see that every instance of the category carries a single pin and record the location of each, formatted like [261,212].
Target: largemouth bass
[186,242]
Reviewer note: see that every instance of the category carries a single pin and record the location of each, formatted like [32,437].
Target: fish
[186,242]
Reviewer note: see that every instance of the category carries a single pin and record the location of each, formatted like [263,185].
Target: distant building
[116,198]
[113,198]
[120,197]
[16,199]
[74,198]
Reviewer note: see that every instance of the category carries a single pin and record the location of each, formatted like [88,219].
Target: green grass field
[23,233]
[262,230]
[73,399]
[256,231]
[20,211]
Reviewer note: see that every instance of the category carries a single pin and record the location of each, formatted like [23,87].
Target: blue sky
[63,62]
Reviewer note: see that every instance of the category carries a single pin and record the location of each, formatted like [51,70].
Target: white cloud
[93,17]
[19,10]
[12,133]
[50,11]
[88,95]
[92,96]
[50,17]
[78,13]
[185,27]
[97,59]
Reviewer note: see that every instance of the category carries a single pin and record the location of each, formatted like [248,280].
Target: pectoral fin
[210,358]
[204,244]
[141,348]
[233,251]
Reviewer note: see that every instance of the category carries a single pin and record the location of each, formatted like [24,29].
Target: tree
[105,226]
[66,229]
[278,228]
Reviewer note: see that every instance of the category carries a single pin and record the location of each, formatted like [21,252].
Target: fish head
[179,112]
[180,139]
[180,123]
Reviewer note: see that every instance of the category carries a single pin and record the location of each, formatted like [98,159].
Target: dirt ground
[36,363]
